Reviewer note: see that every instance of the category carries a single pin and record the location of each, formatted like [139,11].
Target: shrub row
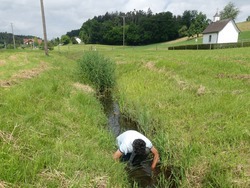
[210,46]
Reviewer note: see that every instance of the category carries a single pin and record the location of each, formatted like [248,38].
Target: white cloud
[65,15]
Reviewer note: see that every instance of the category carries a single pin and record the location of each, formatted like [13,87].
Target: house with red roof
[30,41]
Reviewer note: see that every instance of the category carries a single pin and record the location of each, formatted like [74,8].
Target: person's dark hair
[139,147]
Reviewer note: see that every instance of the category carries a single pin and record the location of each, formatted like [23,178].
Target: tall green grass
[52,134]
[194,105]
[98,70]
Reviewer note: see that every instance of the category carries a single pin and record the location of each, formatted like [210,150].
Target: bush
[50,46]
[98,70]
[210,46]
[65,39]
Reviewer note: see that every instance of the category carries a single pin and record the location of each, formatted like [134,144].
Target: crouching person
[132,144]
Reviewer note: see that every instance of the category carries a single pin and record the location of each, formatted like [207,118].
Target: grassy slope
[51,133]
[244,26]
[194,105]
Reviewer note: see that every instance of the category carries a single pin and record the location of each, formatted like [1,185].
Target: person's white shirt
[126,139]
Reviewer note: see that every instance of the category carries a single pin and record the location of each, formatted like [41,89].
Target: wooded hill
[141,27]
[7,38]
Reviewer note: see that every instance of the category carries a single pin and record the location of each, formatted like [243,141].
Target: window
[210,38]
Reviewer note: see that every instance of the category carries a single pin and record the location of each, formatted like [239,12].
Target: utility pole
[13,36]
[44,29]
[123,30]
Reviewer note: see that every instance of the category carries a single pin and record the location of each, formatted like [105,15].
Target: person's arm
[156,157]
[117,155]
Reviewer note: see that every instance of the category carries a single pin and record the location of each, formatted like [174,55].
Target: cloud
[66,15]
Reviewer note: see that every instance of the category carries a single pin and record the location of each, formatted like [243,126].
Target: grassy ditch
[195,108]
[51,126]
[194,105]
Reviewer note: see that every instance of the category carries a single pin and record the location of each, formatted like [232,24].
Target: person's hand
[152,167]
[117,155]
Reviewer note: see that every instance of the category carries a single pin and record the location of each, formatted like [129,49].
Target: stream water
[140,174]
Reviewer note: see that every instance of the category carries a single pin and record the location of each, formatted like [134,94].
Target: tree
[55,41]
[50,46]
[73,40]
[183,31]
[149,12]
[36,42]
[188,16]
[230,11]
[114,36]
[65,39]
[133,35]
[199,23]
[73,33]
[248,19]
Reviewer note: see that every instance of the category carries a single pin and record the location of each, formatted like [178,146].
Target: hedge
[210,46]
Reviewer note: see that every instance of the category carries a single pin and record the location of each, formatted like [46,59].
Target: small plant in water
[98,70]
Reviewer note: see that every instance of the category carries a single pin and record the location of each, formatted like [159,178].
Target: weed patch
[98,70]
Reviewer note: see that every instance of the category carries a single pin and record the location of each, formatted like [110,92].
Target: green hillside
[244,26]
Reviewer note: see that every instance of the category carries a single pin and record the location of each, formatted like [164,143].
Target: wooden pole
[123,30]
[13,36]
[44,29]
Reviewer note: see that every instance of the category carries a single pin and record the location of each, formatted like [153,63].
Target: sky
[63,16]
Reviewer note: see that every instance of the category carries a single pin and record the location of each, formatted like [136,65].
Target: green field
[193,105]
[52,127]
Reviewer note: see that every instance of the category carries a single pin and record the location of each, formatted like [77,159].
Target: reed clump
[97,70]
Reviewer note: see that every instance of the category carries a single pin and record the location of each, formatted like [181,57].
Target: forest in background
[140,27]
[7,39]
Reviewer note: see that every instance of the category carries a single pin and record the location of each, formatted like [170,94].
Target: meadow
[52,127]
[193,105]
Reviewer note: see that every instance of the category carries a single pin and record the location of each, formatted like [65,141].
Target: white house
[78,40]
[221,31]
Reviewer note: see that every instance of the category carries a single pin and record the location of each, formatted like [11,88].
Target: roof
[32,40]
[215,27]
[216,15]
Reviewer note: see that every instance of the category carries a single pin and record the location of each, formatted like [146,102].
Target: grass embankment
[51,127]
[244,26]
[194,105]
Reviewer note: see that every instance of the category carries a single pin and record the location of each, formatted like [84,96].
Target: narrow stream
[141,174]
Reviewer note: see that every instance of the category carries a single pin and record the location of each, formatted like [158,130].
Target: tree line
[142,27]
[6,40]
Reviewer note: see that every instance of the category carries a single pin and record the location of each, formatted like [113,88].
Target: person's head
[139,147]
